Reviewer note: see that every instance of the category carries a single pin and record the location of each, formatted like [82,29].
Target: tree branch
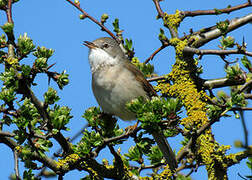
[94,20]
[16,165]
[44,114]
[222,82]
[161,14]
[216,51]
[155,52]
[9,12]
[214,33]
[216,11]
[209,84]
[34,156]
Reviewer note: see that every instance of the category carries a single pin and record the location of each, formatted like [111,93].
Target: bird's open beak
[89,44]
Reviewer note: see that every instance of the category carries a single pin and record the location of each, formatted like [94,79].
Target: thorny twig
[94,20]
[216,11]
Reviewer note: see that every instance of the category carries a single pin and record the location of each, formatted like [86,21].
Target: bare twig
[245,86]
[94,20]
[222,82]
[6,134]
[150,166]
[158,8]
[216,11]
[240,109]
[9,12]
[155,52]
[216,51]
[156,78]
[109,140]
[248,96]
[245,130]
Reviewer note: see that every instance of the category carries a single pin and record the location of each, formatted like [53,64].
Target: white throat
[99,58]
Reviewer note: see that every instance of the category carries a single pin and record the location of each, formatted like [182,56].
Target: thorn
[50,66]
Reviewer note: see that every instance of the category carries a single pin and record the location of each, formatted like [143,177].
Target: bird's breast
[113,87]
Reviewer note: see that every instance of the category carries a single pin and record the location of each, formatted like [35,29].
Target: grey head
[107,44]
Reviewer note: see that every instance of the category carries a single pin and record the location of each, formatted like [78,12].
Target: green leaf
[8,27]
[162,36]
[227,42]
[89,141]
[134,154]
[42,52]
[155,156]
[51,96]
[9,78]
[249,163]
[27,113]
[246,62]
[62,80]
[3,40]
[91,115]
[146,69]
[25,45]
[28,175]
[104,18]
[233,72]
[116,25]
[26,70]
[183,177]
[7,95]
[41,64]
[223,26]
[238,99]
[60,116]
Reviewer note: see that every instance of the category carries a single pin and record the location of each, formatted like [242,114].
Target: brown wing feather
[140,77]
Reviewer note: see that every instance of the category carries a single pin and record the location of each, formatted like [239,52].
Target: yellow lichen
[172,20]
[70,159]
[179,45]
[184,88]
[12,60]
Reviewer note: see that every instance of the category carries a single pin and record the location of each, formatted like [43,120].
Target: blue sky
[56,24]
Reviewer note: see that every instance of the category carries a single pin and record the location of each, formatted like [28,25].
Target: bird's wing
[140,77]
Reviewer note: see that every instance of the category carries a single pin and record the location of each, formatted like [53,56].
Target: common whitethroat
[115,82]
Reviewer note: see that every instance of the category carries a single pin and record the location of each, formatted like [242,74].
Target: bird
[116,81]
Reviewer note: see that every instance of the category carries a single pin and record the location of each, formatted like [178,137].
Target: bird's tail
[165,149]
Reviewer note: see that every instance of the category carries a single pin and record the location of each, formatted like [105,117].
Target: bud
[82,16]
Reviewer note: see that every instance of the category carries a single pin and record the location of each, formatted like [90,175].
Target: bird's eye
[105,45]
